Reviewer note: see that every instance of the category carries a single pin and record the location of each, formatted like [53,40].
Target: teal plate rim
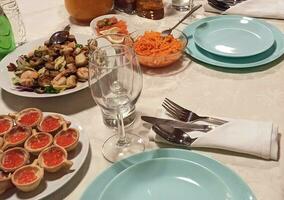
[233,181]
[275,52]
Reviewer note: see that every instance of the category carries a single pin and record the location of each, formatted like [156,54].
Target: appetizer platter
[40,69]
[40,152]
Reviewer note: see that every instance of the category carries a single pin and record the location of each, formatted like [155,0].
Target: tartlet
[51,124]
[28,178]
[16,136]
[5,182]
[6,124]
[54,158]
[13,158]
[67,138]
[38,141]
[29,117]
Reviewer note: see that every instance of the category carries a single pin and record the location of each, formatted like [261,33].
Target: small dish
[16,136]
[129,25]
[54,158]
[67,138]
[28,178]
[5,182]
[51,123]
[38,141]
[6,124]
[13,158]
[151,56]
[29,117]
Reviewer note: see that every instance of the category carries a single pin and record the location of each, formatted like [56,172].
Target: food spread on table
[51,68]
[42,140]
[34,144]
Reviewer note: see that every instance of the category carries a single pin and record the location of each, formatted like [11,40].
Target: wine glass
[115,80]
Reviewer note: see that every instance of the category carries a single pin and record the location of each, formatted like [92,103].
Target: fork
[183,114]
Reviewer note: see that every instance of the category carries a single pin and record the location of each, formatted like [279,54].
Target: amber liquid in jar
[151,9]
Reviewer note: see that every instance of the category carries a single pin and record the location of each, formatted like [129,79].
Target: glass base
[113,151]
[182,8]
[110,119]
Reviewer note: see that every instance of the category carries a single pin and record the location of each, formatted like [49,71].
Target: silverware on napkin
[177,124]
[173,135]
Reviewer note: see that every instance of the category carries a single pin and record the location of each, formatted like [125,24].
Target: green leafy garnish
[51,90]
[79,46]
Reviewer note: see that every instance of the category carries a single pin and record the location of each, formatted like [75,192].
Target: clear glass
[182,5]
[110,118]
[11,10]
[115,80]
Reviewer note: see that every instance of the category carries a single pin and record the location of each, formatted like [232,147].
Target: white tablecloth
[257,95]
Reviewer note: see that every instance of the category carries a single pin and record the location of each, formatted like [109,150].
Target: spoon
[60,37]
[173,135]
[169,31]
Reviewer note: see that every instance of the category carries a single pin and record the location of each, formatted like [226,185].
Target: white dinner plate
[130,27]
[55,181]
[6,76]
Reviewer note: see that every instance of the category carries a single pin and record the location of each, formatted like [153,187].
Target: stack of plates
[168,174]
[234,41]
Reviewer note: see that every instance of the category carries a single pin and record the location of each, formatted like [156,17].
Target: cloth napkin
[244,136]
[255,8]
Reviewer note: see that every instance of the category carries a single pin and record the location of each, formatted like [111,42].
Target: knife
[177,124]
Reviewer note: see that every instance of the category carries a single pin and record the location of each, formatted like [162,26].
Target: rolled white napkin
[255,8]
[244,136]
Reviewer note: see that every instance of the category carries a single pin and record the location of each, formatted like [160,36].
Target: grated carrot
[155,44]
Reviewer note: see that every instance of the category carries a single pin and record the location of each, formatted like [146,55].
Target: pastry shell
[71,146]
[61,123]
[5,183]
[25,161]
[8,144]
[37,150]
[64,164]
[10,119]
[27,187]
[17,116]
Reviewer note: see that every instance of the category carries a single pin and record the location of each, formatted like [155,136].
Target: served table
[256,94]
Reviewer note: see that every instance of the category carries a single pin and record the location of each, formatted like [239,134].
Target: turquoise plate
[236,37]
[227,179]
[268,56]
[167,179]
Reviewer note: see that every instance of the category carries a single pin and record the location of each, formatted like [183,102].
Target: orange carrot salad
[155,44]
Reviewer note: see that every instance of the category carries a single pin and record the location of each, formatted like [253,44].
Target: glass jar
[12,12]
[151,9]
[86,10]
[7,43]
[127,6]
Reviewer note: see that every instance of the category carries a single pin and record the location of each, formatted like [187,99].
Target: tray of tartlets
[35,147]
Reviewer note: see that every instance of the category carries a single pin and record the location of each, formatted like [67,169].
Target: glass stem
[121,131]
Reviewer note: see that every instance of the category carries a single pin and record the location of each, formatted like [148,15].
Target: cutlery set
[176,131]
[223,4]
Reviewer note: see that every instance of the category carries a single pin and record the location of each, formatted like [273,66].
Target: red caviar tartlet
[53,158]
